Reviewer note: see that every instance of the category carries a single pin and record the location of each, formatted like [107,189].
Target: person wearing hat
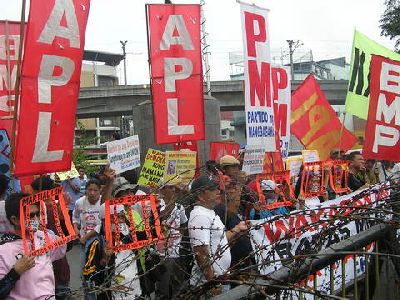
[173,218]
[268,188]
[230,166]
[208,237]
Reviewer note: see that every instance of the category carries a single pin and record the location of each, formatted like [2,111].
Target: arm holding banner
[107,190]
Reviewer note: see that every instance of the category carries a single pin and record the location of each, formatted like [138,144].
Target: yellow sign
[153,168]
[180,163]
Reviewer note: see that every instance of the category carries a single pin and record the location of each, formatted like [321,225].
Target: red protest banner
[219,149]
[9,46]
[50,79]
[314,122]
[273,162]
[176,72]
[143,230]
[382,133]
[59,209]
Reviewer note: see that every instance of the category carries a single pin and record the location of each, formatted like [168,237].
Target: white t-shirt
[87,215]
[170,246]
[393,173]
[5,225]
[206,228]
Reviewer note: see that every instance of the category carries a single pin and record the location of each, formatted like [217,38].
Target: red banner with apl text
[382,134]
[176,72]
[314,122]
[51,68]
[9,47]
[37,241]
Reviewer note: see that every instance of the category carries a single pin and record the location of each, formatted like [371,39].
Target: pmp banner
[358,94]
[50,78]
[260,126]
[314,122]
[382,133]
[276,239]
[176,72]
[9,47]
[282,95]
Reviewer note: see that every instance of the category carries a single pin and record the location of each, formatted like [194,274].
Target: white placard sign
[124,154]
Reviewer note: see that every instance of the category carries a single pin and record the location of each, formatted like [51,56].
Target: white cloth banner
[282,97]
[298,232]
[124,154]
[260,126]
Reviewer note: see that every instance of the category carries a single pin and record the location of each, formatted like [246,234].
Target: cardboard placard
[310,156]
[150,221]
[153,168]
[283,189]
[58,205]
[180,163]
[253,161]
[339,175]
[312,180]
[124,154]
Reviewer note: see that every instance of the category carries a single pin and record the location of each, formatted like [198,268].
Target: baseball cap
[203,183]
[268,185]
[121,184]
[228,160]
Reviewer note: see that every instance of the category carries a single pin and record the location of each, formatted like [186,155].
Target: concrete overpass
[120,100]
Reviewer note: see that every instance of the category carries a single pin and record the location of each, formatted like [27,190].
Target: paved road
[73,259]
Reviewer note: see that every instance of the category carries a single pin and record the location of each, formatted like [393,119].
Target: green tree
[390,21]
[79,157]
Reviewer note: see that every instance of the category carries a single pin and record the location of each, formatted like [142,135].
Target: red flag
[51,68]
[176,72]
[9,47]
[314,122]
[382,133]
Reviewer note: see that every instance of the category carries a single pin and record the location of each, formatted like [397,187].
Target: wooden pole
[17,88]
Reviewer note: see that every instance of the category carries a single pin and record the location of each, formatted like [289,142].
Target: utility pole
[123,44]
[293,45]
[204,50]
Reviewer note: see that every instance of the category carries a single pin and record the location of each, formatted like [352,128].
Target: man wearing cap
[173,218]
[268,188]
[208,237]
[230,166]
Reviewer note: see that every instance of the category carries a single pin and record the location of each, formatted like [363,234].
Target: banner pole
[341,133]
[7,48]
[17,88]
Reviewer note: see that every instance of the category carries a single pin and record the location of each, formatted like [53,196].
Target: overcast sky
[325,27]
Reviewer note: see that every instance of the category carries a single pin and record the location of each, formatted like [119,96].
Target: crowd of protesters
[205,226]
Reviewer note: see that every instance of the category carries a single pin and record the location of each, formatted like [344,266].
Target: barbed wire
[381,212]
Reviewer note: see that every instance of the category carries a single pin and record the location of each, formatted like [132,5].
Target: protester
[62,273]
[372,169]
[357,176]
[389,170]
[83,180]
[230,166]
[126,277]
[336,154]
[173,218]
[72,186]
[5,225]
[268,188]
[208,237]
[26,276]
[87,225]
